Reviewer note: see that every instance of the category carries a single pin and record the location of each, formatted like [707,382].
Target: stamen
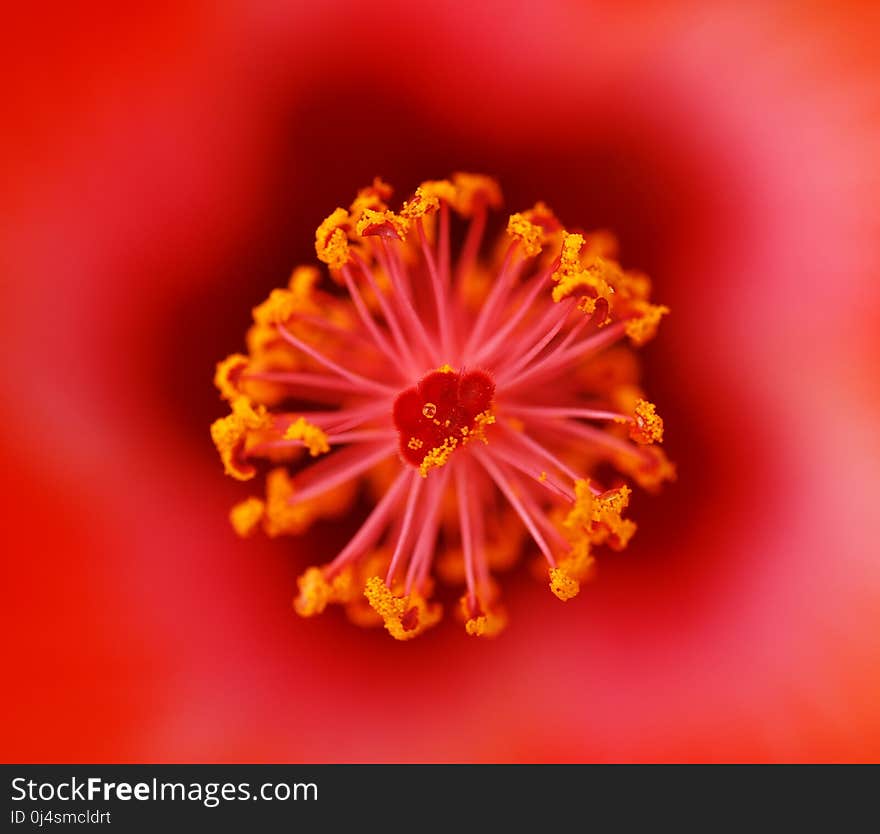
[339,467]
[405,617]
[467,544]
[537,284]
[316,381]
[391,320]
[246,516]
[563,358]
[438,288]
[515,502]
[539,336]
[316,592]
[363,436]
[538,476]
[468,256]
[443,249]
[602,439]
[527,233]
[229,434]
[401,294]
[402,539]
[647,425]
[643,327]
[502,286]
[365,316]
[369,532]
[358,358]
[355,379]
[511,371]
[332,327]
[536,448]
[423,554]
[585,413]
[337,420]
[227,376]
[313,438]
[331,240]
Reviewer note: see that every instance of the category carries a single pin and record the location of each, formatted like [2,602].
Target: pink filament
[372,528]
[403,537]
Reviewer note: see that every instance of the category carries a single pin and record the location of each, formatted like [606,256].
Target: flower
[199,151]
[466,392]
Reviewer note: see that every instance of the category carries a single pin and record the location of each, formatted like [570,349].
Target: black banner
[391,797]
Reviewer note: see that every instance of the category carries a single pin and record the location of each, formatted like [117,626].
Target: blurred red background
[164,170]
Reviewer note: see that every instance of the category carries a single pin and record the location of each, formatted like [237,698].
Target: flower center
[445,410]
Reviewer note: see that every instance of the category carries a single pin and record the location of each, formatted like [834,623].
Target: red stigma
[444,405]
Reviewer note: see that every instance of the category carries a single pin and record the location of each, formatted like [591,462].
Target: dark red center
[442,407]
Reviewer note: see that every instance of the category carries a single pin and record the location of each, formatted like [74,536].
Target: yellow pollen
[581,513]
[373,222]
[372,197]
[608,512]
[489,624]
[331,240]
[649,469]
[302,283]
[316,593]
[542,215]
[427,198]
[595,275]
[446,369]
[246,516]
[278,307]
[602,242]
[572,570]
[587,305]
[483,419]
[644,326]
[415,443]
[283,515]
[564,586]
[647,426]
[227,375]
[473,191]
[229,433]
[423,202]
[287,516]
[438,456]
[405,617]
[429,410]
[311,436]
[520,228]
[598,519]
[438,189]
[283,303]
[569,261]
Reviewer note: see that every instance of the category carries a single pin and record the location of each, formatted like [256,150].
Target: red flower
[165,171]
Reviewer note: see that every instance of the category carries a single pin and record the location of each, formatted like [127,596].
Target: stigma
[446,410]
